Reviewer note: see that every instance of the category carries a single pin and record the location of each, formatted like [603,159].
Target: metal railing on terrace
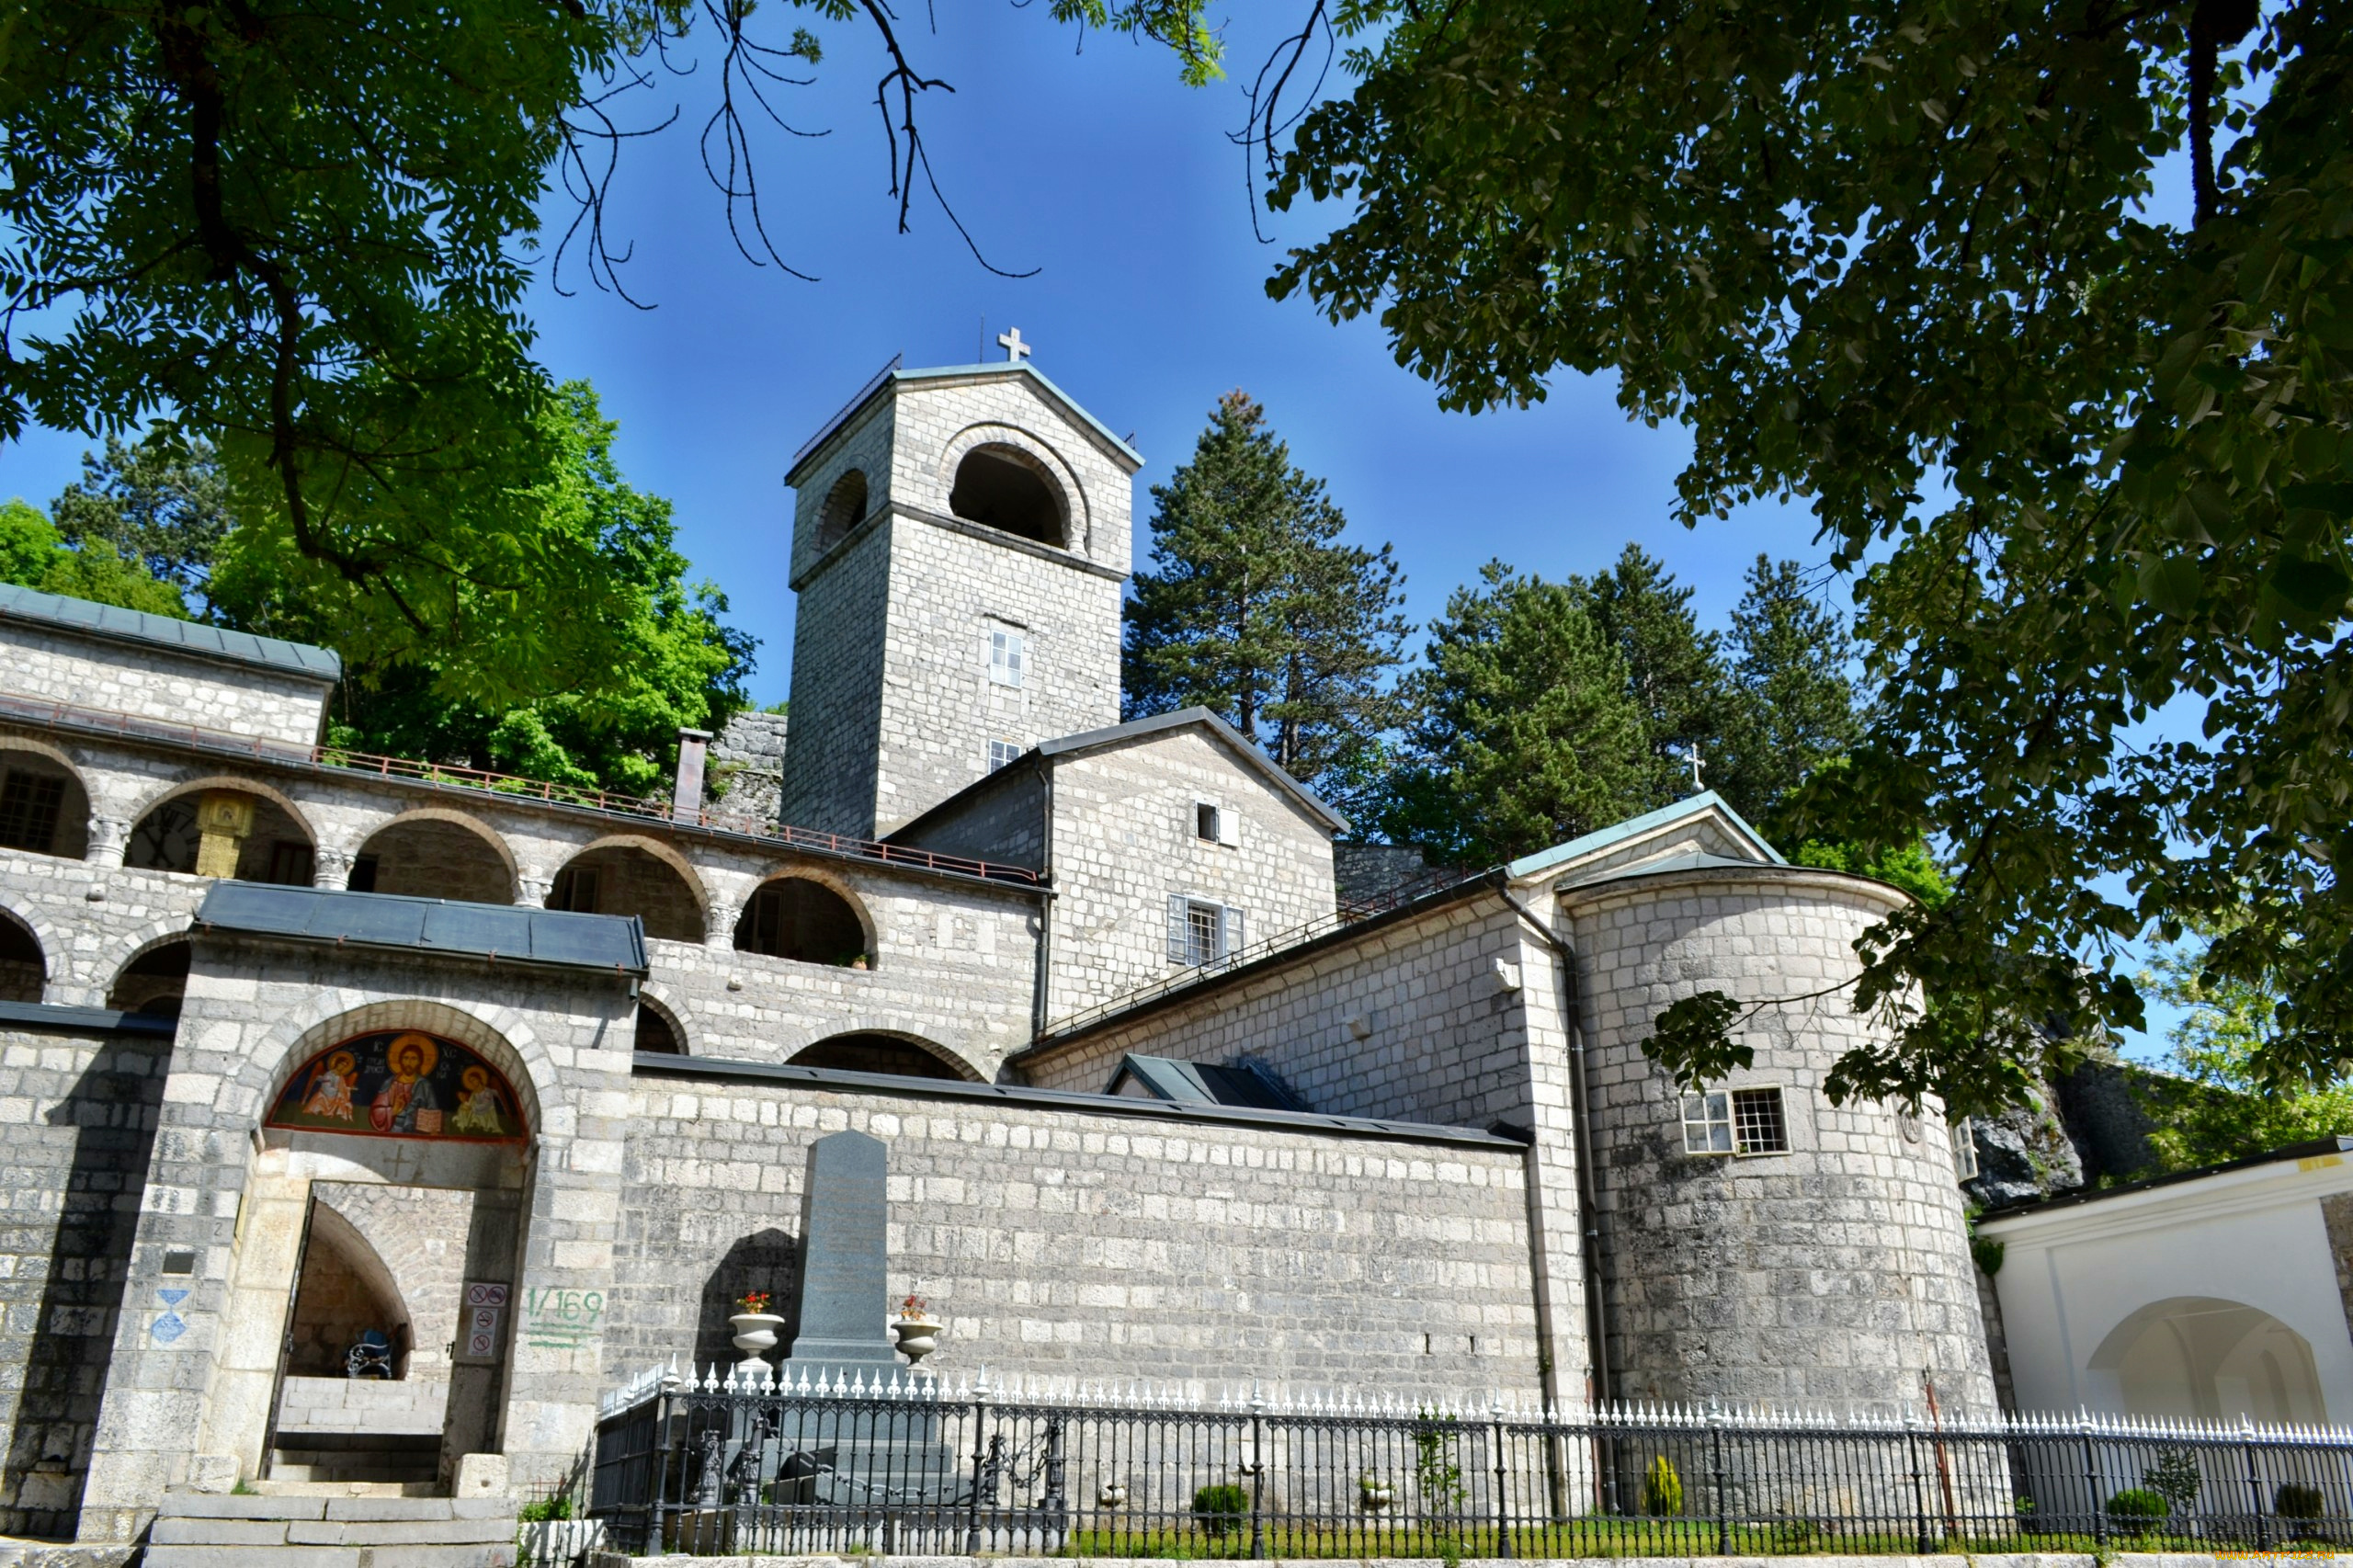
[97,721]
[717,1466]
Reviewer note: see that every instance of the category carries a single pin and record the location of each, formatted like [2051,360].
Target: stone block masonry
[164,686]
[1060,1243]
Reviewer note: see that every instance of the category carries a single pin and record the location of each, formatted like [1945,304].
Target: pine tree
[1796,702]
[1529,731]
[1674,670]
[1253,609]
[163,501]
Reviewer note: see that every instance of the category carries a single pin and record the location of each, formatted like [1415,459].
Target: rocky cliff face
[747,772]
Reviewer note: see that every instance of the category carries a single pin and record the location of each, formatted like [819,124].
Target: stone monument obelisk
[845,1261]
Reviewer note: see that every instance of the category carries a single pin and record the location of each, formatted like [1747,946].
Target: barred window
[1756,1121]
[1734,1121]
[1964,1149]
[28,809]
[1200,932]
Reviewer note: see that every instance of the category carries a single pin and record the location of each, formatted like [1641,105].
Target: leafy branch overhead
[2087,467]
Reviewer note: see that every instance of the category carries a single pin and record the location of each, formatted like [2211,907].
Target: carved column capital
[330,868]
[109,838]
[532,888]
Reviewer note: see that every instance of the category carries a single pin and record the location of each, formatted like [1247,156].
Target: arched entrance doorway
[403,1151]
[2208,1358]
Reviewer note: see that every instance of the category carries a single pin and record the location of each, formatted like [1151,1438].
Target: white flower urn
[918,1337]
[754,1334]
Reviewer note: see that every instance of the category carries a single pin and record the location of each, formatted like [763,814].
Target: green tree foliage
[683,667]
[304,230]
[1255,610]
[1899,261]
[1675,669]
[1528,731]
[32,553]
[1793,704]
[162,500]
[2214,1102]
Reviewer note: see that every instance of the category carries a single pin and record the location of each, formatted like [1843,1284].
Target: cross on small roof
[1014,350]
[1695,765]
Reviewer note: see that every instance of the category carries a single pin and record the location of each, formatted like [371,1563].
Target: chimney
[686,801]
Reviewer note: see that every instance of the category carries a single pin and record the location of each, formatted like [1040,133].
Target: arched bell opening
[845,508]
[1005,488]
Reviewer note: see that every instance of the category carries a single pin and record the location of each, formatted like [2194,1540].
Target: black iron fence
[710,1467]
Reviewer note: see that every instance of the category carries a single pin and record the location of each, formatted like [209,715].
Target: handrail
[507,786]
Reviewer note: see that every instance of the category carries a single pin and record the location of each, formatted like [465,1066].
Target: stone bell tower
[959,539]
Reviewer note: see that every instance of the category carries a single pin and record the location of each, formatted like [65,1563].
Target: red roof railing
[507,786]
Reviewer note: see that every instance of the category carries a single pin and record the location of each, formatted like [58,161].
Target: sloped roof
[1201,1083]
[1185,717]
[193,638]
[501,933]
[892,375]
[1704,804]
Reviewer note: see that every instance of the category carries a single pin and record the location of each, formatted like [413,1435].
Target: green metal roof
[892,375]
[501,933]
[1632,827]
[193,638]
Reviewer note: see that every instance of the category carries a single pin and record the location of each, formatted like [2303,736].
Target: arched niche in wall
[802,919]
[44,807]
[24,968]
[154,982]
[345,1291]
[903,1056]
[2211,1359]
[846,508]
[224,828]
[1000,486]
[435,854]
[633,878]
[401,1084]
[658,1031]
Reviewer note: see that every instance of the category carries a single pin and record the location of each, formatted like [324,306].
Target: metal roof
[192,637]
[500,933]
[1202,1083]
[892,375]
[1593,842]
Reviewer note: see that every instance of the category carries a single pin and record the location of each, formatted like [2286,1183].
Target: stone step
[279,1488]
[316,1528]
[395,1470]
[326,1504]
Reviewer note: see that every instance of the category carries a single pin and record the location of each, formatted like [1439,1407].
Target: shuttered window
[1200,932]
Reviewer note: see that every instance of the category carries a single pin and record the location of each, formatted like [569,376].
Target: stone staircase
[388,1459]
[297,1524]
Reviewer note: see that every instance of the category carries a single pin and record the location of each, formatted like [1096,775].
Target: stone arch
[669,895]
[885,1050]
[153,979]
[45,803]
[659,1027]
[24,961]
[344,1286]
[807,918]
[436,852]
[2212,1359]
[281,846]
[1068,525]
[846,506]
[503,1039]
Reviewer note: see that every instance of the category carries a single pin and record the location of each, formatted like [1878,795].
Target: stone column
[225,820]
[330,868]
[109,838]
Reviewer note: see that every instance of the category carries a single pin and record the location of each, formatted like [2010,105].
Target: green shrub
[2138,1505]
[2295,1501]
[547,1508]
[1220,1508]
[1662,1490]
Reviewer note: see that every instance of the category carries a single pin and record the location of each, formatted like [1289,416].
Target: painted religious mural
[402,1084]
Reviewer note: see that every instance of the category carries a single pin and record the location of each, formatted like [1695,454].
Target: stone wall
[745,775]
[837,673]
[362,1404]
[1001,819]
[1125,843]
[158,683]
[1061,1242]
[78,1119]
[1837,1272]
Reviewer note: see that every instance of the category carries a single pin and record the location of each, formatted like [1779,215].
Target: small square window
[1964,1149]
[28,809]
[1757,1124]
[1008,654]
[1003,751]
[1205,822]
[1707,1123]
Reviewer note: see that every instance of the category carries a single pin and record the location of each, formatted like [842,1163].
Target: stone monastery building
[309,1055]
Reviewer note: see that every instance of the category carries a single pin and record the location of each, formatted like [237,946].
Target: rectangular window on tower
[1008,657]
[1205,822]
[1964,1149]
[1002,753]
[1736,1121]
